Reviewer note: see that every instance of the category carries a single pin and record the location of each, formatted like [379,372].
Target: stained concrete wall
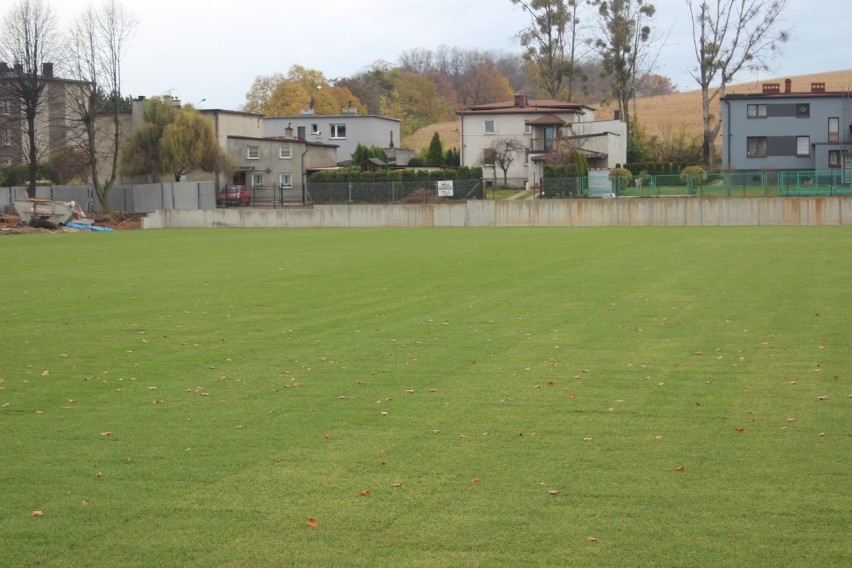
[623,212]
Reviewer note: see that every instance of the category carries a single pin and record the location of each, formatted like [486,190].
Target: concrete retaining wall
[623,212]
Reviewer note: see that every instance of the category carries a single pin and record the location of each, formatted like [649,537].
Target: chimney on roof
[391,139]
[788,86]
[47,70]
[817,87]
[288,132]
[521,101]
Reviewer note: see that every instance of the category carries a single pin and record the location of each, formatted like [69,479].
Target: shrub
[622,176]
[697,174]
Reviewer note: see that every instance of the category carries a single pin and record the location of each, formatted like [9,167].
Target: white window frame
[256,180]
[286,181]
[488,127]
[252,152]
[527,128]
[285,152]
[337,131]
[803,146]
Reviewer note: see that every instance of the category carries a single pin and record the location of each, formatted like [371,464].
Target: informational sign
[445,188]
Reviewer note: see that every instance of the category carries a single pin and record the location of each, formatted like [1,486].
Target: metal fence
[140,198]
[393,192]
[736,184]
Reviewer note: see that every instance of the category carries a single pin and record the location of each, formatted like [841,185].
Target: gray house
[787,130]
[345,130]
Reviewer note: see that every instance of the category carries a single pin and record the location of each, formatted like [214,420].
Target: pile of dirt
[117,220]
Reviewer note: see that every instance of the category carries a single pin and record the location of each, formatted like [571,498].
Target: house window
[834,130]
[7,137]
[756,146]
[489,127]
[257,180]
[285,152]
[5,106]
[756,111]
[527,128]
[300,132]
[253,152]
[337,130]
[286,181]
[834,159]
[315,129]
[7,161]
[803,146]
[803,110]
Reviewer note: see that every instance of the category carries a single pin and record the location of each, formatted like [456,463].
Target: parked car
[233,196]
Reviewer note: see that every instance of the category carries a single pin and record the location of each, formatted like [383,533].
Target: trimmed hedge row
[342,176]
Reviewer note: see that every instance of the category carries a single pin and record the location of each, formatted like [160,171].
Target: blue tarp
[88,228]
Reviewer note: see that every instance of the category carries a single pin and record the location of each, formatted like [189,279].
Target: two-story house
[345,130]
[275,168]
[543,129]
[786,130]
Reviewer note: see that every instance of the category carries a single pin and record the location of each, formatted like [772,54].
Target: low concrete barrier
[622,212]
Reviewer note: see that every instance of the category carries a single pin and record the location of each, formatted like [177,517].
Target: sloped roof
[547,120]
[535,106]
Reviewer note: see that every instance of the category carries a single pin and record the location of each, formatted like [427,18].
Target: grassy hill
[661,115]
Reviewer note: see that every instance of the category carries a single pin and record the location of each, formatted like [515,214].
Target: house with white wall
[539,128]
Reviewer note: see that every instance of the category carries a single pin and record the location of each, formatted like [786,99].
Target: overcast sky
[212,51]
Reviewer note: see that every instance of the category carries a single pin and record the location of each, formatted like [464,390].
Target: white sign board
[445,188]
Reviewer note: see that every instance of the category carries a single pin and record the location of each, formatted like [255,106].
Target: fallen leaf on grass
[409,390]
[823,397]
[587,439]
[397,484]
[554,492]
[680,468]
[591,539]
[476,480]
[45,373]
[312,522]
[572,395]
[741,430]
[365,493]
[658,437]
[38,513]
[328,436]
[106,433]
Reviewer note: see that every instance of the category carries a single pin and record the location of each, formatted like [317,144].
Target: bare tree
[28,41]
[504,152]
[97,42]
[622,45]
[550,43]
[729,36]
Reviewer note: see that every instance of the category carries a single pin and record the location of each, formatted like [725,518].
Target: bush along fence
[402,186]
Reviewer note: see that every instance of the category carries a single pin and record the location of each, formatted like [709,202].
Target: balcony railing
[542,144]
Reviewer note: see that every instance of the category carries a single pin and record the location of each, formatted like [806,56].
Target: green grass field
[382,397]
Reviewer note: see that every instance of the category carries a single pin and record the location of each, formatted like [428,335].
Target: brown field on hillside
[661,115]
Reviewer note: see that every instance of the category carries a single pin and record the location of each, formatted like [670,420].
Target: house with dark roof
[545,130]
[783,129]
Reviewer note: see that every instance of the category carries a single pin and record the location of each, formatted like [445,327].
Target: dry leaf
[106,433]
[38,513]
[383,463]
[365,493]
[384,413]
[554,492]
[475,480]
[658,437]
[397,484]
[572,395]
[591,539]
[587,439]
[823,397]
[312,522]
[327,436]
[741,430]
[697,403]
[85,503]
[680,468]
[409,390]
[45,373]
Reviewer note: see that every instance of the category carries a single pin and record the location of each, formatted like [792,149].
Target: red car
[233,196]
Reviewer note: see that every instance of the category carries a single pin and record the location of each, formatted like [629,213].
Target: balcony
[540,145]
